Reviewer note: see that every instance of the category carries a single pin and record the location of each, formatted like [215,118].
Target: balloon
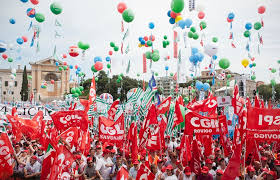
[116,48]
[19,41]
[152,38]
[201,15]
[211,49]
[108,59]
[24,1]
[257,26]
[178,18]
[177,5]
[97,59]
[188,23]
[110,53]
[214,57]
[60,68]
[73,51]
[173,15]
[39,17]
[31,12]
[206,86]
[24,38]
[227,83]
[182,24]
[231,15]
[121,7]
[83,46]
[253,77]
[112,44]
[146,38]
[273,70]
[64,63]
[156,74]
[203,24]
[143,42]
[193,29]
[155,57]
[56,63]
[165,37]
[151,25]
[171,74]
[273,82]
[247,33]
[98,66]
[261,9]
[108,66]
[10,60]
[172,21]
[138,74]
[29,77]
[200,56]
[169,13]
[224,63]
[118,80]
[190,34]
[214,39]
[229,20]
[71,67]
[198,85]
[248,26]
[56,8]
[76,66]
[81,88]
[3,46]
[35,2]
[195,36]
[245,62]
[52,81]
[64,56]
[93,69]
[166,68]
[4,56]
[254,64]
[149,43]
[194,50]
[128,15]
[12,21]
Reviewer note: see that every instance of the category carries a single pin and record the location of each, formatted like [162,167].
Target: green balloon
[186,99]
[149,43]
[224,63]
[193,29]
[203,24]
[81,88]
[257,26]
[96,79]
[155,56]
[65,67]
[120,78]
[193,90]
[116,48]
[118,81]
[227,83]
[112,44]
[29,77]
[39,17]
[273,82]
[167,43]
[278,61]
[73,90]
[83,46]
[121,74]
[247,33]
[229,76]
[60,68]
[190,34]
[253,77]
[177,6]
[78,91]
[93,69]
[164,44]
[273,70]
[208,81]
[56,8]
[171,74]
[254,64]
[156,51]
[75,95]
[108,66]
[215,39]
[195,36]
[10,60]
[128,15]
[138,74]
[156,74]
[165,37]
[148,55]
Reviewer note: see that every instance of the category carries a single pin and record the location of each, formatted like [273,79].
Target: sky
[98,23]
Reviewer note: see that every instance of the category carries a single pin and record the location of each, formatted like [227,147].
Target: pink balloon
[98,66]
[152,37]
[76,66]
[35,2]
[24,38]
[121,7]
[201,15]
[146,38]
[261,9]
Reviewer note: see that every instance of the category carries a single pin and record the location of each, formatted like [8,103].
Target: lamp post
[35,91]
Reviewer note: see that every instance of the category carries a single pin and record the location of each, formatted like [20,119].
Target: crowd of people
[105,160]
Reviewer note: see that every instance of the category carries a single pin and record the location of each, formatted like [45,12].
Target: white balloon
[14,71]
[10,46]
[210,49]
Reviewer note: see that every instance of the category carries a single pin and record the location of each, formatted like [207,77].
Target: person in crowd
[187,175]
[32,170]
[219,174]
[90,172]
[104,165]
[173,160]
[204,175]
[222,164]
[154,171]
[78,167]
[169,174]
[208,163]
[116,167]
[40,155]
[257,166]
[133,171]
[153,158]
[264,162]
[159,173]
[98,153]
[250,173]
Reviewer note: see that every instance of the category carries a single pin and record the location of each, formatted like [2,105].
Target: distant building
[167,84]
[259,83]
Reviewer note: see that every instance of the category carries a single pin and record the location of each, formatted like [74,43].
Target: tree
[24,86]
[265,91]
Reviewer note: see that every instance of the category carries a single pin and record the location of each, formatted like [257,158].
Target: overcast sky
[98,23]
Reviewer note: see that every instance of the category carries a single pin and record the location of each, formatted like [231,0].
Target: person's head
[33,159]
[173,157]
[160,163]
[217,152]
[78,158]
[271,175]
[106,153]
[187,171]
[91,152]
[204,171]
[118,159]
[208,163]
[222,162]
[266,147]
[98,149]
[142,159]
[277,165]
[257,165]
[135,164]
[112,153]
[40,151]
[173,139]
[89,162]
[219,174]
[17,148]
[35,147]
[250,171]
[24,153]
[153,153]
[169,170]
[167,139]
[264,161]
[153,169]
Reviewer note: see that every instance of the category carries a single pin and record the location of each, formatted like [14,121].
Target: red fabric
[6,150]
[132,139]
[185,150]
[70,136]
[233,169]
[162,125]
[154,140]
[224,140]
[269,104]
[248,103]
[92,94]
[122,174]
[85,103]
[178,118]
[47,164]
[237,102]
[111,131]
[84,144]
[32,128]
[251,148]
[65,119]
[164,106]
[144,173]
[196,158]
[263,124]
[262,104]
[207,144]
[207,105]
[16,127]
[144,63]
[113,109]
[257,102]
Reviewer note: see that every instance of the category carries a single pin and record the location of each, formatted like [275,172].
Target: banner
[65,119]
[263,124]
[6,151]
[110,130]
[195,123]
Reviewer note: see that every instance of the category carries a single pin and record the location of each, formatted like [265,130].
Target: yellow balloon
[178,18]
[139,45]
[245,62]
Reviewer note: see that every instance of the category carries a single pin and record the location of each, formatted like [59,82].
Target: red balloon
[64,63]
[206,68]
[64,56]
[52,81]
[35,2]
[4,56]
[168,57]
[173,14]
[152,37]
[24,38]
[261,9]
[229,20]
[121,7]
[190,87]
[146,38]
[98,66]
[146,45]
[76,66]
[110,53]
[201,15]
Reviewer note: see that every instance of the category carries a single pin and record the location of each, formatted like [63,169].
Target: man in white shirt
[133,171]
[104,165]
[209,163]
[32,168]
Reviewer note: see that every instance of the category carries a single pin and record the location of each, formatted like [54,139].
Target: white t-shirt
[103,169]
[188,178]
[213,173]
[133,172]
[173,177]
[35,168]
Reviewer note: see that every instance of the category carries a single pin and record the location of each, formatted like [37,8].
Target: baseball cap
[118,156]
[113,151]
[266,146]
[272,173]
[170,167]
[219,171]
[34,157]
[208,161]
[250,169]
[25,151]
[135,162]
[217,149]
[98,147]
[205,169]
[187,170]
[78,156]
[159,160]
[264,158]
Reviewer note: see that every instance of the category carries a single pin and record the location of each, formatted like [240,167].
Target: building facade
[167,84]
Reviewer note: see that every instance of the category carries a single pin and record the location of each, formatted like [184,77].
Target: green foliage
[265,91]
[24,86]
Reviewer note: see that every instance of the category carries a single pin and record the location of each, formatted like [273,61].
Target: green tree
[24,86]
[265,91]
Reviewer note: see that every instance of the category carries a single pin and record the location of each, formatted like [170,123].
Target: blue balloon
[182,24]
[20,41]
[188,23]
[143,42]
[248,26]
[3,46]
[56,63]
[151,25]
[166,68]
[198,85]
[79,69]
[77,72]
[71,66]
[169,13]
[24,1]
[108,59]
[140,39]
[214,57]
[191,75]
[206,86]
[42,86]
[12,21]
[231,15]
[250,65]
[172,21]
[31,12]
[194,50]
[200,56]
[97,58]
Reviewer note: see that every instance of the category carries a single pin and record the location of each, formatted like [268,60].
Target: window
[4,92]
[12,92]
[15,83]
[6,83]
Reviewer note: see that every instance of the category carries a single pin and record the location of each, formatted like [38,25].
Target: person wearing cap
[116,167]
[204,175]
[104,165]
[17,150]
[98,153]
[40,155]
[209,163]
[169,174]
[22,160]
[277,167]
[219,174]
[257,166]
[218,153]
[154,170]
[250,173]
[187,175]
[159,173]
[78,166]
[264,162]
[133,171]
[222,164]
[90,170]
[112,155]
[32,170]
[173,160]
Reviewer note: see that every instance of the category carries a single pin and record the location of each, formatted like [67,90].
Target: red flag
[92,94]
[248,103]
[237,101]
[32,128]
[178,118]
[144,173]
[196,158]
[262,104]
[162,126]
[251,151]
[224,140]
[48,163]
[84,144]
[164,106]
[153,142]
[207,144]
[175,44]
[113,109]
[233,169]
[257,102]
[16,127]
[144,63]
[122,174]
[269,104]
[132,139]
[6,150]
[70,136]
[185,153]
[85,103]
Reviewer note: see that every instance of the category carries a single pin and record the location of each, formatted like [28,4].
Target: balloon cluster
[185,23]
[31,12]
[165,42]
[202,86]
[127,14]
[21,40]
[154,55]
[196,56]
[174,17]
[192,33]
[120,78]
[98,66]
[252,65]
[77,91]
[177,6]
[114,46]
[44,85]
[248,27]
[146,41]
[230,17]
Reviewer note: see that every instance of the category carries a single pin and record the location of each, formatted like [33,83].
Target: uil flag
[92,94]
[122,174]
[144,173]
[6,150]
